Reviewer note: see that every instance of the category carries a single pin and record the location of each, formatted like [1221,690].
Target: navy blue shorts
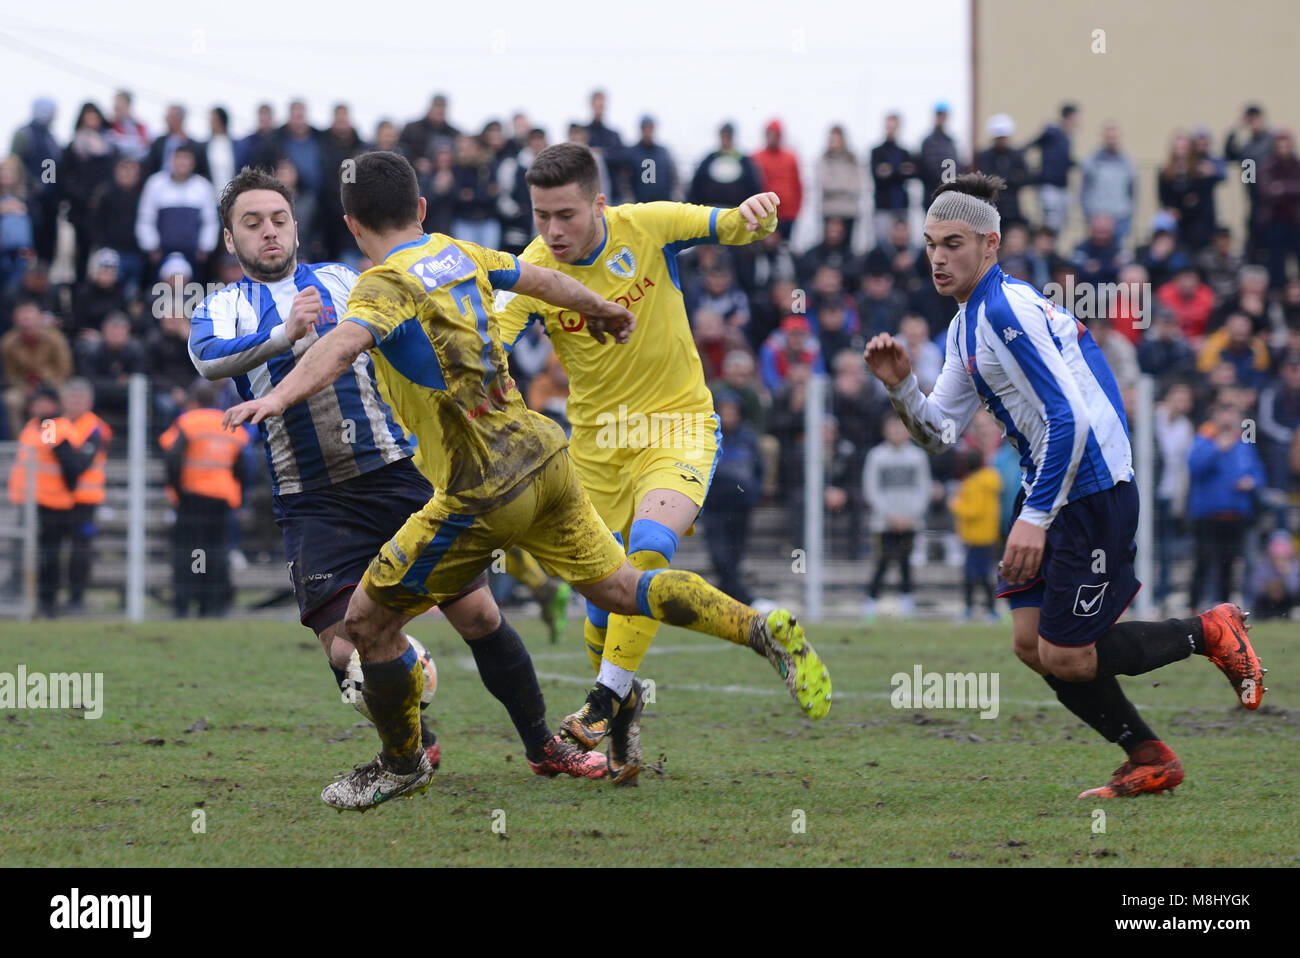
[331,534]
[1087,578]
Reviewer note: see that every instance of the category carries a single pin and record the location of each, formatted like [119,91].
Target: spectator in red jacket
[779,169]
[793,344]
[1190,300]
[1131,309]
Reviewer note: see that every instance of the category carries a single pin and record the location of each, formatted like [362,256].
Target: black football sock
[507,672]
[428,737]
[339,676]
[1133,648]
[392,693]
[1102,704]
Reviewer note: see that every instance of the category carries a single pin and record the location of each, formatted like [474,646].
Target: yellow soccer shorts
[438,550]
[619,468]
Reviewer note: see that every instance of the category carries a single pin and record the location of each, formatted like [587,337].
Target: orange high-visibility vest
[210,454]
[36,445]
[90,487]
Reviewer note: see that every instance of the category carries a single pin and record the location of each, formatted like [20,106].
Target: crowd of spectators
[1210,309]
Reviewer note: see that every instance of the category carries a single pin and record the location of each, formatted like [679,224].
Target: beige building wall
[1165,65]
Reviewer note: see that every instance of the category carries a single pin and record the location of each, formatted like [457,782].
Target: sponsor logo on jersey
[636,293]
[622,264]
[571,322]
[435,270]
[1009,334]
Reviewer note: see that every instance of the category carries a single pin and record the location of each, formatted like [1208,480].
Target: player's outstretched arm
[935,421]
[319,366]
[552,286]
[749,222]
[217,357]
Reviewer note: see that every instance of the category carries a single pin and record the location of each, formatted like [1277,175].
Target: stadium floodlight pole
[814,485]
[1145,476]
[137,463]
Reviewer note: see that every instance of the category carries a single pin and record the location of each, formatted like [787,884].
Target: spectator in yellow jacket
[1236,343]
[977,514]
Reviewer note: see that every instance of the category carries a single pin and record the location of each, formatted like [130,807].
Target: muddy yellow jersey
[441,366]
[658,370]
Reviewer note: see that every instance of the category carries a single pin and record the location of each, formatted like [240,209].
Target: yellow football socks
[629,636]
[392,692]
[684,599]
[595,638]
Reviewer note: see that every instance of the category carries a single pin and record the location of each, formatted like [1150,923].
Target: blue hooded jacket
[1214,475]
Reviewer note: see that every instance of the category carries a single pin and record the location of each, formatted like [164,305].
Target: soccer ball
[352,684]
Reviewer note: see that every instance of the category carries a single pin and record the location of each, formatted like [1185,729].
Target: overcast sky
[691,63]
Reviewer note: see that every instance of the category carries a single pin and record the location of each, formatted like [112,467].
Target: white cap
[176,264]
[1000,124]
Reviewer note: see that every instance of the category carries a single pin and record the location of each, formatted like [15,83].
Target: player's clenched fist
[1024,554]
[758,208]
[303,314]
[610,318]
[887,359]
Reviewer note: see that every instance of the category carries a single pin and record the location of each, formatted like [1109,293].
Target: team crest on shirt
[622,264]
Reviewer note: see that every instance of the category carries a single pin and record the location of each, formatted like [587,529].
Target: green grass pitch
[742,779]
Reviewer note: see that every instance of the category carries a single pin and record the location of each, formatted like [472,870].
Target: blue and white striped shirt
[1043,377]
[338,433]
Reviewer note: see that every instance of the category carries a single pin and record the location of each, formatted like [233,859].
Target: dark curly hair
[247,179]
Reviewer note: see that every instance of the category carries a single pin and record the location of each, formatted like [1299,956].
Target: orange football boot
[1151,767]
[1228,647]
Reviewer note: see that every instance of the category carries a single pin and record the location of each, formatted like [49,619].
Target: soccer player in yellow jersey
[502,473]
[645,436]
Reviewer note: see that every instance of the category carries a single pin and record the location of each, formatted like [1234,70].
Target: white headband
[981,215]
